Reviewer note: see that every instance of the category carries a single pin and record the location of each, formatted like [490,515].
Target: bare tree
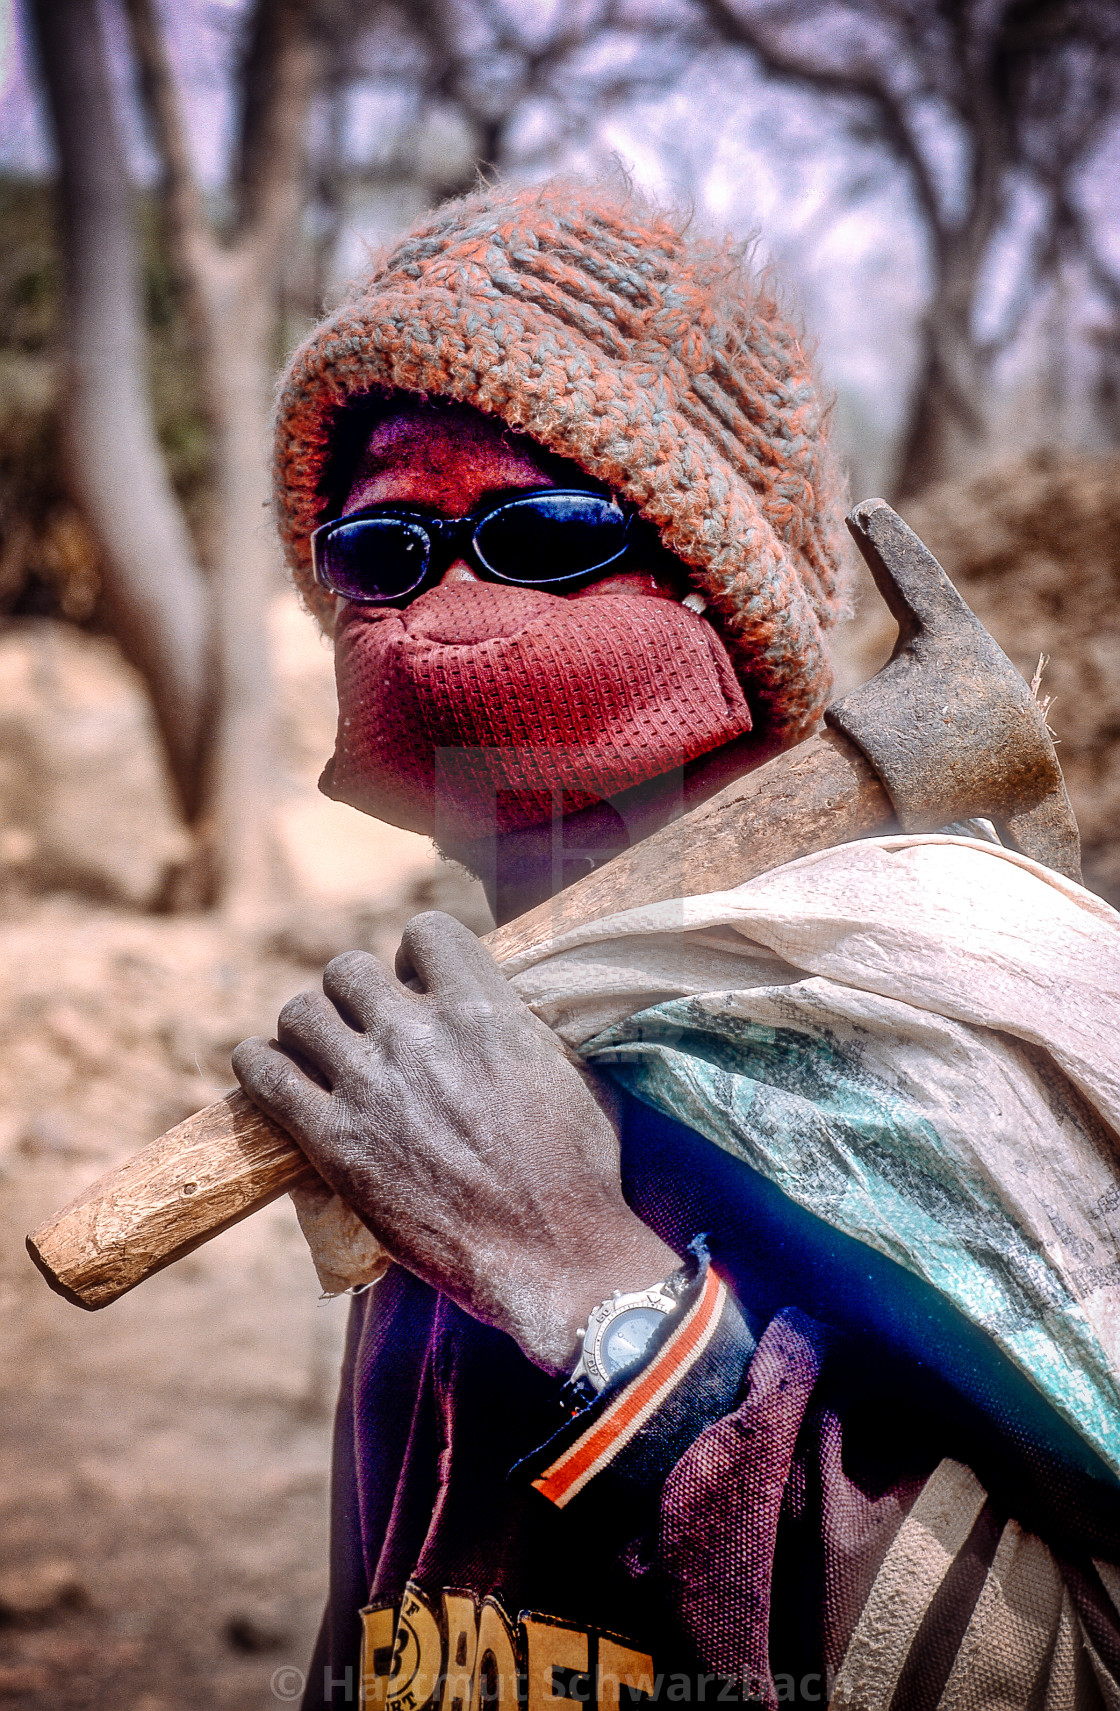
[981,103]
[476,87]
[991,109]
[153,586]
[199,641]
[232,281]
[196,632]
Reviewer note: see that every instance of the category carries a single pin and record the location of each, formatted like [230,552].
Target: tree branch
[862,83]
[1104,278]
[282,65]
[189,236]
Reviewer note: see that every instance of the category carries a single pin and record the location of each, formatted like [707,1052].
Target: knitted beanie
[649,357]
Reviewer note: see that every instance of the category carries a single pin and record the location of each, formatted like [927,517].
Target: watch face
[627,1338]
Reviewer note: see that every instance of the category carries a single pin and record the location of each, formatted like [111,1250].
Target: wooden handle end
[55,1282]
[198,1179]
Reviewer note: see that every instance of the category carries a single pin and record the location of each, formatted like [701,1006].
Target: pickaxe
[946,731]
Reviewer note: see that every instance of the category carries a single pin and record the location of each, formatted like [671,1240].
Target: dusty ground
[164,1463]
[163,1467]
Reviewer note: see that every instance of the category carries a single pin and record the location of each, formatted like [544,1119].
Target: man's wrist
[627,1256]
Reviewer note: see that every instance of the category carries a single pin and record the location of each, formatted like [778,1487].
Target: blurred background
[184,187]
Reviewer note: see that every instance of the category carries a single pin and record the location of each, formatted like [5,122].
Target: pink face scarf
[482,707]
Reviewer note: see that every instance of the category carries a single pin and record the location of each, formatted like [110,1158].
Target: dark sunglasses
[551,537]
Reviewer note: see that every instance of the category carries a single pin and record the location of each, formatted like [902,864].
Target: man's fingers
[311,1027]
[362,987]
[274,1084]
[445,956]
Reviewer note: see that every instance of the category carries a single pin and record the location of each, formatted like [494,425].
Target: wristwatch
[619,1331]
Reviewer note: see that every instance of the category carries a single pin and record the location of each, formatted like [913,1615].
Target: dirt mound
[1034,547]
[85,804]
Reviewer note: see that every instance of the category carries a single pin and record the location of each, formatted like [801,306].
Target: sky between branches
[750,155]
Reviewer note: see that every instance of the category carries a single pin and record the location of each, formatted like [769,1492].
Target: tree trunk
[154,589]
[945,430]
[234,290]
[240,791]
[949,425]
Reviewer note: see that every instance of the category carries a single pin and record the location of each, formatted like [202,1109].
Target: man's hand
[451,1121]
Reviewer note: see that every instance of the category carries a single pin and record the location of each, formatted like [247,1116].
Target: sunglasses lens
[551,537]
[372,560]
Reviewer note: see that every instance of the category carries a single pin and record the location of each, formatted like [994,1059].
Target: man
[556,478]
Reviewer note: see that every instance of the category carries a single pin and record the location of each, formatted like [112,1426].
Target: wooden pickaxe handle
[950,728]
[228,1160]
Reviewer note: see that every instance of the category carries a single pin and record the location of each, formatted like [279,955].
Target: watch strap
[622,1445]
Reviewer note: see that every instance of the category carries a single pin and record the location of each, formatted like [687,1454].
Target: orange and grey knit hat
[648,356]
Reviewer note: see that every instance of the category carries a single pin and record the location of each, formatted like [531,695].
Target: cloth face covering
[479,709]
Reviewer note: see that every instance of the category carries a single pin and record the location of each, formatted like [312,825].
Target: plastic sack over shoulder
[917,1040]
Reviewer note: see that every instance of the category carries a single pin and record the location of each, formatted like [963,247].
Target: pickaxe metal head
[949,724]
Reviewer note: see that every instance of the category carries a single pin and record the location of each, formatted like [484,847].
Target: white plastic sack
[917,1039]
